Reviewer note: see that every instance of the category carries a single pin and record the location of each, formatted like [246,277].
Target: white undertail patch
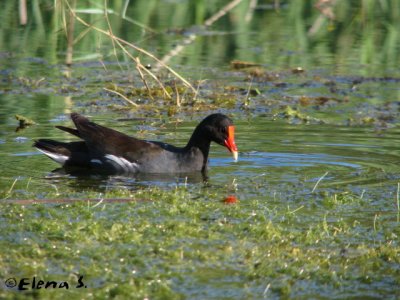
[61,159]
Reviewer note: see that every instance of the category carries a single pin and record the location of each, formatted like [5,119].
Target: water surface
[275,153]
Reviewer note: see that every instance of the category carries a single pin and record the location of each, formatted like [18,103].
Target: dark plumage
[108,150]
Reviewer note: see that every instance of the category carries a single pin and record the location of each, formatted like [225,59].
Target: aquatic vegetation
[161,243]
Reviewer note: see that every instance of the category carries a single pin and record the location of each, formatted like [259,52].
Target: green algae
[160,243]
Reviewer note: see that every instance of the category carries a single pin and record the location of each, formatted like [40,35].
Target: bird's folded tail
[53,149]
[69,130]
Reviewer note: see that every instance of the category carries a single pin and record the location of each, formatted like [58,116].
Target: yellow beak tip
[235,155]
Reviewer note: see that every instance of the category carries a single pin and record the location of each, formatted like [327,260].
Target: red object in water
[231,199]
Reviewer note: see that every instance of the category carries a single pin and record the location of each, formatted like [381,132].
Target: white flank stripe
[96,161]
[124,164]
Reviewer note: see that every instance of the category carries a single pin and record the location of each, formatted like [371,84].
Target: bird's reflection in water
[100,181]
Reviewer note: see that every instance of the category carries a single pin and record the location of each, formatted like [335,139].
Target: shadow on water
[83,179]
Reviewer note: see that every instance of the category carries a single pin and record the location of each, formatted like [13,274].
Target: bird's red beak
[230,142]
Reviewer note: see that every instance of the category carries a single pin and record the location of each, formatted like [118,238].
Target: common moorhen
[108,150]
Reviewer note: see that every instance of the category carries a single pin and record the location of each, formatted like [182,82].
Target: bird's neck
[198,140]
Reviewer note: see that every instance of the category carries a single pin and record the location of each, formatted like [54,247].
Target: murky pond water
[280,155]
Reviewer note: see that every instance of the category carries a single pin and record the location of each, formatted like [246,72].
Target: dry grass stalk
[122,96]
[120,42]
[192,37]
[318,181]
[178,98]
[70,36]
[222,12]
[139,68]
[23,15]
